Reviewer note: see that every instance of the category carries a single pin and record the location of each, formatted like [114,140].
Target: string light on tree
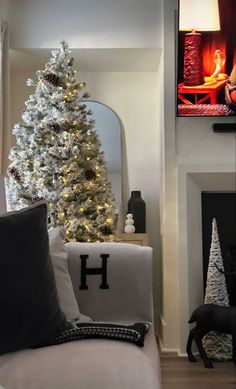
[58,155]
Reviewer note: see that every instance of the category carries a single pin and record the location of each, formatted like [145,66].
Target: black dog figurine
[210,317]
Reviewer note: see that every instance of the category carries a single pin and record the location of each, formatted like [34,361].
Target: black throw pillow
[29,306]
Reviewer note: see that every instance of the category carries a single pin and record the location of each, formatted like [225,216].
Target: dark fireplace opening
[222,207]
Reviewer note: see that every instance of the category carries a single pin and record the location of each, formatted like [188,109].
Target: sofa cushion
[29,307]
[88,364]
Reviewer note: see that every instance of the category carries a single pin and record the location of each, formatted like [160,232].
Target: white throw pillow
[67,299]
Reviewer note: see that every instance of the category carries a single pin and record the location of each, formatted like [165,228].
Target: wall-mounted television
[206,78]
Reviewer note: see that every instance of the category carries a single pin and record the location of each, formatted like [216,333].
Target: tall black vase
[137,206]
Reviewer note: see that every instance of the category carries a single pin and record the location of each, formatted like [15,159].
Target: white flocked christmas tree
[218,346]
[58,155]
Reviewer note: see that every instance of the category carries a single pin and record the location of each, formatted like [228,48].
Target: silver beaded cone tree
[58,155]
[217,346]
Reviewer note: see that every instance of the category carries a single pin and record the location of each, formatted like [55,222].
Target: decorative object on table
[58,155]
[129,224]
[201,15]
[218,346]
[211,317]
[137,206]
[219,59]
[230,90]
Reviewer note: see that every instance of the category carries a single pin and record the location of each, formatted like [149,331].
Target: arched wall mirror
[108,128]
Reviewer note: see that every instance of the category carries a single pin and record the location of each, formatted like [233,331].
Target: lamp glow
[199,15]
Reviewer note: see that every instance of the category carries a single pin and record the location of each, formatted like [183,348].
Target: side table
[210,92]
[135,238]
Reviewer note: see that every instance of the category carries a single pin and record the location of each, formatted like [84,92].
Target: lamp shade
[199,15]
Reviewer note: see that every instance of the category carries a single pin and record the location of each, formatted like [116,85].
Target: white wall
[3,9]
[170,265]
[190,146]
[86,24]
[197,143]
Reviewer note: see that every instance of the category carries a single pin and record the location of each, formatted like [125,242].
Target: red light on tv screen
[206,72]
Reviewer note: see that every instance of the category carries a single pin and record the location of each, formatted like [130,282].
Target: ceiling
[104,35]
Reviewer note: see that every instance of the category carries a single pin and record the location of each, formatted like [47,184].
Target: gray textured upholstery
[3,206]
[97,363]
[129,276]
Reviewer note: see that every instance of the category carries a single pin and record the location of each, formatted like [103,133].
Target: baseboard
[175,353]
[159,337]
[164,350]
[168,351]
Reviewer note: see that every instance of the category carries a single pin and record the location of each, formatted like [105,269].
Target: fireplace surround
[222,207]
[192,181]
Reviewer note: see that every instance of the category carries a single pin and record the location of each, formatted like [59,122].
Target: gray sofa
[125,298]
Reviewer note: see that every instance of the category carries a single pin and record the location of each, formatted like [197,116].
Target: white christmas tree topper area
[58,155]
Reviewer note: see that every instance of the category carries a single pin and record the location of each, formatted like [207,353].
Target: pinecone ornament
[14,173]
[36,199]
[89,174]
[54,126]
[52,79]
[106,230]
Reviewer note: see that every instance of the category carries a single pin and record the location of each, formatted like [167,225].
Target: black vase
[137,206]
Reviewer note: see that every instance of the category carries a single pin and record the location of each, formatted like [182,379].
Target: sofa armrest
[112,281]
[3,207]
